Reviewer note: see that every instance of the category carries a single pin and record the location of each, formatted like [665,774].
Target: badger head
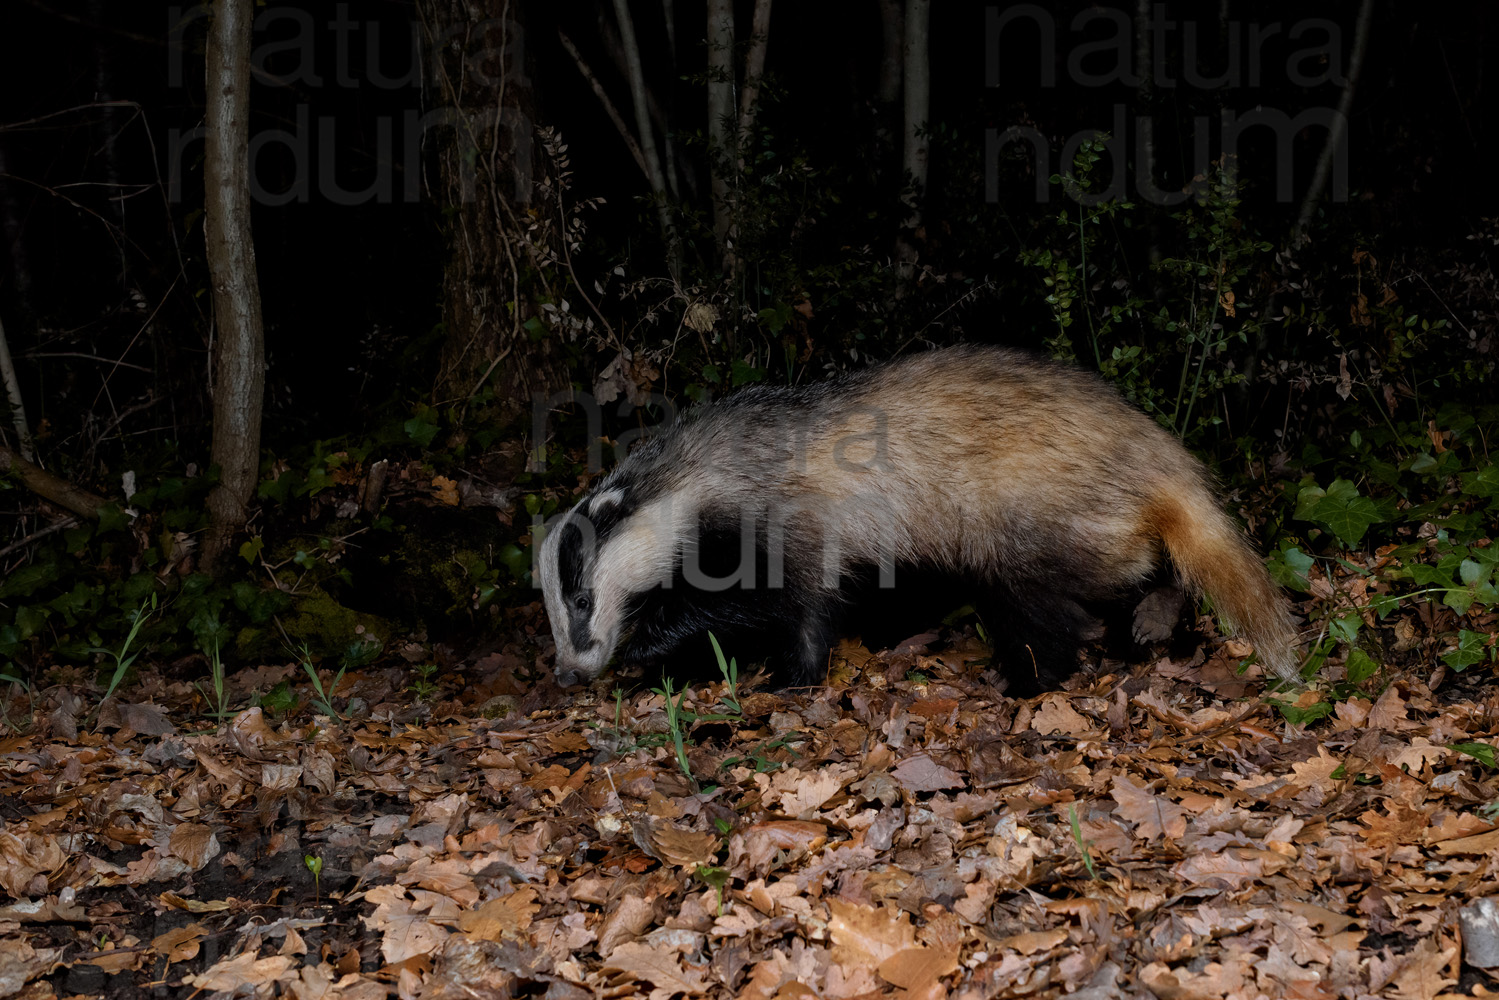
[593,562]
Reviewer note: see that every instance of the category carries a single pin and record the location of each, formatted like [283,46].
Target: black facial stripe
[572,560]
[578,630]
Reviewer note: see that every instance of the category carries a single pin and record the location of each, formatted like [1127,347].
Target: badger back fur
[1033,481]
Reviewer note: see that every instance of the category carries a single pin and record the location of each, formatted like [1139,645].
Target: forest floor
[1156,829]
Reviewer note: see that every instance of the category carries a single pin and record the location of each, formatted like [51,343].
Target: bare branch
[609,108]
[648,145]
[49,487]
[39,534]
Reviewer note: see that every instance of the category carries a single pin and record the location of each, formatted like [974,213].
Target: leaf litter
[907,831]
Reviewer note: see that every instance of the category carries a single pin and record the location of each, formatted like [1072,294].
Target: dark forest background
[448,221]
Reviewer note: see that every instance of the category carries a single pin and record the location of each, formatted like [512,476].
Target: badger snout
[570,671]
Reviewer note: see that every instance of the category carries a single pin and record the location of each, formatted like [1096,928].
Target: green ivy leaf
[28,579]
[1483,483]
[1472,648]
[421,431]
[1345,513]
[250,551]
[1302,716]
[1289,567]
[112,518]
[1360,666]
[1345,629]
[742,373]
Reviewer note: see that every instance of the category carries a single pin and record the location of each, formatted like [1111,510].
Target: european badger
[759,514]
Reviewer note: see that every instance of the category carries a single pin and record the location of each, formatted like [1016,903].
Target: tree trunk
[13,397]
[630,49]
[483,108]
[917,83]
[918,91]
[239,362]
[722,140]
[754,68]
[892,33]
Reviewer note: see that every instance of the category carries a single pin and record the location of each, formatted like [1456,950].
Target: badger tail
[1212,556]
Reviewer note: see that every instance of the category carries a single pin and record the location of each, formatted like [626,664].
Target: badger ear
[605,502]
[606,510]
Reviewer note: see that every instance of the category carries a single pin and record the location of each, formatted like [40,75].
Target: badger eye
[582,603]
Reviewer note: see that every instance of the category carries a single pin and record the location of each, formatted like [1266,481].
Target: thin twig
[120,362]
[51,529]
[647,137]
[29,355]
[1339,125]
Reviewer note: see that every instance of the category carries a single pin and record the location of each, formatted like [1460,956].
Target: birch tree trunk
[722,139]
[14,399]
[239,347]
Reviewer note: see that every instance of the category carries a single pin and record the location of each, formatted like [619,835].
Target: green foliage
[1084,847]
[1289,565]
[218,699]
[314,864]
[759,754]
[422,684]
[730,671]
[1168,352]
[1472,648]
[1424,495]
[1341,509]
[717,879]
[677,723]
[1302,715]
[280,700]
[323,698]
[123,657]
[1481,752]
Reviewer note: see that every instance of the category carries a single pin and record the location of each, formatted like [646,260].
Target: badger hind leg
[811,630]
[1156,615]
[1036,633]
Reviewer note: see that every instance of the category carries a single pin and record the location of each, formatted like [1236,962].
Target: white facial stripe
[640,554]
[551,588]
